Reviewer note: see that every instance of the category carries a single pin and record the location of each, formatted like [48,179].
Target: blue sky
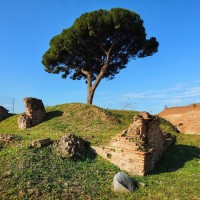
[170,77]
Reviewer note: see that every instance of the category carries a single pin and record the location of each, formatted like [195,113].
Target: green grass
[40,174]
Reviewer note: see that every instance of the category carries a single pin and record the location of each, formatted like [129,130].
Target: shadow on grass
[11,114]
[175,158]
[52,114]
[88,154]
[73,148]
[2,118]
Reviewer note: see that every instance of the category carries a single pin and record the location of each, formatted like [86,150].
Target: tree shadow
[89,154]
[2,118]
[175,158]
[11,114]
[52,114]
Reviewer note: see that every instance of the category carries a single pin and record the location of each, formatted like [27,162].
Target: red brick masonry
[138,148]
[186,118]
[35,113]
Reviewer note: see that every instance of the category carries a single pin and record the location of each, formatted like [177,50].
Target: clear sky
[170,77]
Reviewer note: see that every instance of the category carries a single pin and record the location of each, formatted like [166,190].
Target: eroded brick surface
[185,118]
[35,110]
[24,122]
[35,113]
[138,148]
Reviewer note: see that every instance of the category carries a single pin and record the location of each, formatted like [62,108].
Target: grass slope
[39,174]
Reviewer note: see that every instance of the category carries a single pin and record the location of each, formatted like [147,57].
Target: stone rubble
[70,146]
[9,139]
[6,138]
[40,143]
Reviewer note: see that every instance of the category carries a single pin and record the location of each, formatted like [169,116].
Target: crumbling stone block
[35,113]
[24,122]
[70,146]
[3,113]
[40,143]
[35,110]
[138,148]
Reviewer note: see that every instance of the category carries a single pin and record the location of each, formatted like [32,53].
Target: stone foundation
[24,122]
[35,113]
[3,113]
[138,148]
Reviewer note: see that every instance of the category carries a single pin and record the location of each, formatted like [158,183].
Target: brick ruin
[35,113]
[185,118]
[3,113]
[138,148]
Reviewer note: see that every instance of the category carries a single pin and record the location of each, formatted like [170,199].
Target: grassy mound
[94,124]
[40,174]
[167,126]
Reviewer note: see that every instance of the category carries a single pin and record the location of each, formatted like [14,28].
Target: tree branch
[85,72]
[108,52]
[101,45]
[105,67]
[86,47]
[114,43]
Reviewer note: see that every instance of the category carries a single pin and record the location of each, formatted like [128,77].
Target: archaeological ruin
[3,113]
[184,118]
[35,113]
[138,148]
[71,146]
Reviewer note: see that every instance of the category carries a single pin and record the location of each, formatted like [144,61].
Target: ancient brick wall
[155,139]
[35,110]
[138,148]
[186,118]
[3,113]
[35,113]
[124,153]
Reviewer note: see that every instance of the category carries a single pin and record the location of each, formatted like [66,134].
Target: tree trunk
[90,91]
[92,88]
[90,97]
